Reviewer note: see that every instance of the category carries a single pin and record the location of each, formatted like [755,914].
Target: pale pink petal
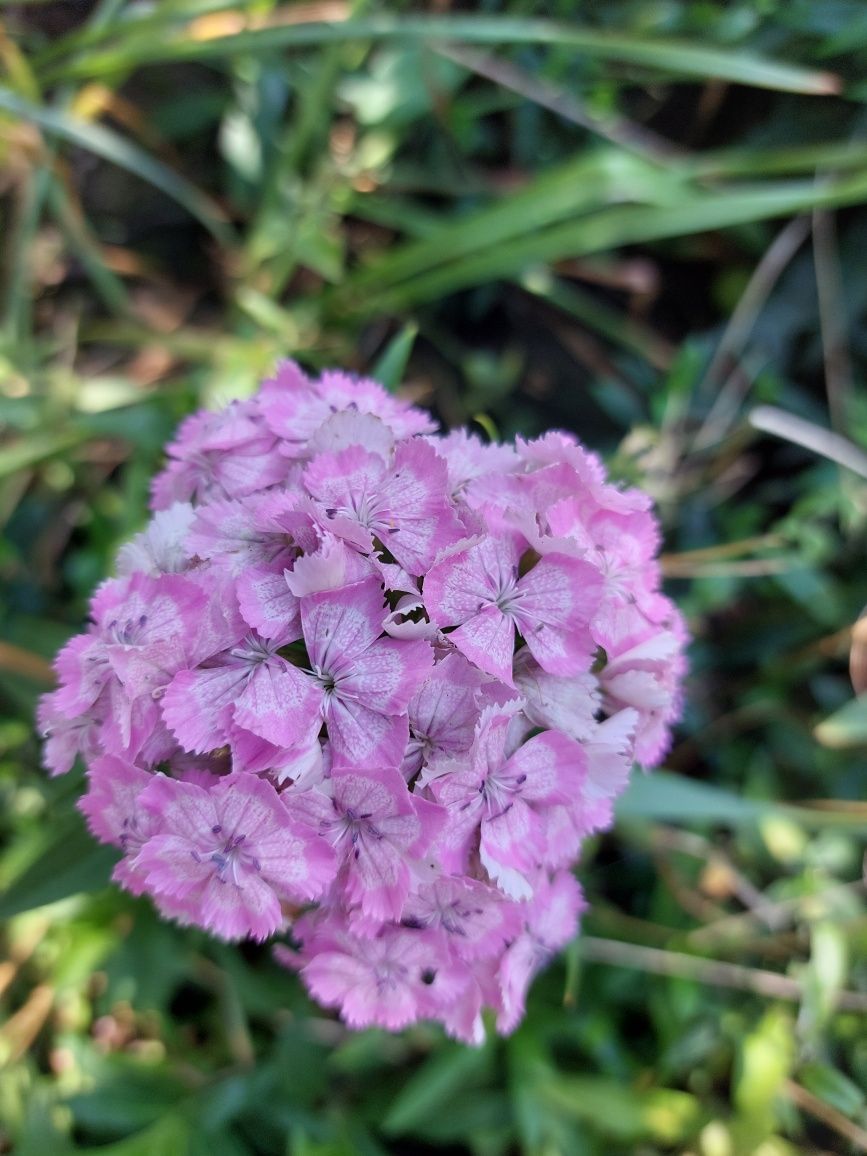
[387,675]
[549,768]
[512,846]
[235,912]
[111,804]
[267,603]
[330,567]
[488,641]
[199,704]
[161,548]
[351,427]
[362,736]
[562,703]
[341,624]
[280,704]
[417,521]
[558,597]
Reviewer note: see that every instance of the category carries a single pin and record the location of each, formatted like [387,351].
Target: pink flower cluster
[373,684]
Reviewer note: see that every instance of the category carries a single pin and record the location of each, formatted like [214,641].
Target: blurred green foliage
[638,220]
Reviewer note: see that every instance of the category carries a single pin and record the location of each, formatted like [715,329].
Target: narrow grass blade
[608,228]
[39,447]
[85,247]
[666,797]
[390,367]
[561,194]
[674,57]
[118,150]
[616,327]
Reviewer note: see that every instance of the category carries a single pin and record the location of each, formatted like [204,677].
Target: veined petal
[267,604]
[363,737]
[279,703]
[387,675]
[198,705]
[341,624]
[558,597]
[488,641]
[511,848]
[550,768]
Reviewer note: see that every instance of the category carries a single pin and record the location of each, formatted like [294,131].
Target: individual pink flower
[358,682]
[550,922]
[250,686]
[219,455]
[503,791]
[480,589]
[473,919]
[231,853]
[385,980]
[296,407]
[378,831]
[362,497]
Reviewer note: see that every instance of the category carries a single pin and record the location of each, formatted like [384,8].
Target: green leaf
[830,1085]
[622,1112]
[70,861]
[128,1095]
[765,1061]
[847,727]
[580,185]
[662,796]
[392,363]
[171,1134]
[116,149]
[674,57]
[37,448]
[430,1090]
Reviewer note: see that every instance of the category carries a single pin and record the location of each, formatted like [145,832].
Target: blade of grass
[130,21]
[789,427]
[752,162]
[109,145]
[680,58]
[730,396]
[625,134]
[392,363]
[86,248]
[37,448]
[578,186]
[17,302]
[608,228]
[668,797]
[713,972]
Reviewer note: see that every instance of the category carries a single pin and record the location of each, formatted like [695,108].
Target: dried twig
[833,446]
[827,1114]
[16,660]
[832,318]
[740,326]
[713,972]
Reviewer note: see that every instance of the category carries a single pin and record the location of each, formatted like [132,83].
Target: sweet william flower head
[376,680]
